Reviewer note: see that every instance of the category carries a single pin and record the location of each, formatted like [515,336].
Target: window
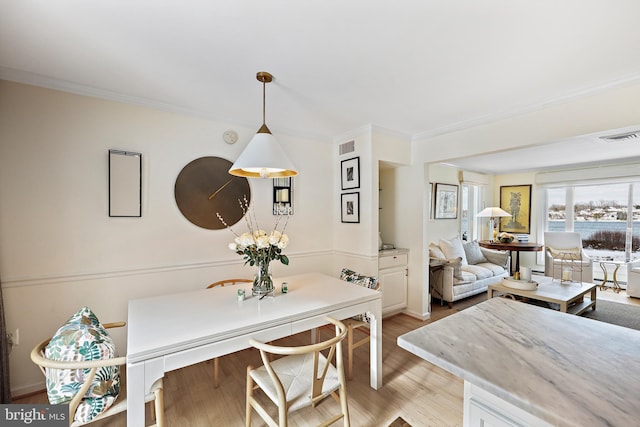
[470,205]
[607,216]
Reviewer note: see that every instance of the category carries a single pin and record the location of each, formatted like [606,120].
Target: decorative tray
[525,285]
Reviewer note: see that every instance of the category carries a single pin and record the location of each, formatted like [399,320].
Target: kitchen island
[526,365]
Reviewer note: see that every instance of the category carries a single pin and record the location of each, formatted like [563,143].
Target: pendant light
[263,157]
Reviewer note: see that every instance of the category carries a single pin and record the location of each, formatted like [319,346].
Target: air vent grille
[347,147]
[621,137]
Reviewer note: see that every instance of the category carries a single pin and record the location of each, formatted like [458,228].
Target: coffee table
[569,296]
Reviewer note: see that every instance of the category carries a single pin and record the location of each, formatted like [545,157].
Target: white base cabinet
[484,409]
[392,275]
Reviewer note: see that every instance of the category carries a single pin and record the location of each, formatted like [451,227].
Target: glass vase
[262,281]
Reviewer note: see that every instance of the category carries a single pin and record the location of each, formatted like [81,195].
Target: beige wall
[59,249]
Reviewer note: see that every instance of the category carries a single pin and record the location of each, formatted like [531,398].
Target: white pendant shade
[263,158]
[492,212]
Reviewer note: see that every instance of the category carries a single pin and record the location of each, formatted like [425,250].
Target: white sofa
[464,269]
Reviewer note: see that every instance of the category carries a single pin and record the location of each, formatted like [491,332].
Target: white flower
[233,246]
[283,242]
[262,242]
[275,237]
[244,240]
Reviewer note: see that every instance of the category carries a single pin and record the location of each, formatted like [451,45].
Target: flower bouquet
[259,248]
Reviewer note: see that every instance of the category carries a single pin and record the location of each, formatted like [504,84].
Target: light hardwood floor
[419,392]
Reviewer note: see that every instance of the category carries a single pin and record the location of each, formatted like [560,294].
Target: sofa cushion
[478,271]
[473,252]
[453,249]
[82,338]
[495,269]
[465,277]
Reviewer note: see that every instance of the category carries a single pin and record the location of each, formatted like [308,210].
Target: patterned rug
[399,422]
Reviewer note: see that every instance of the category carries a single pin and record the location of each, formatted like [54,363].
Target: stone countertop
[395,251]
[565,369]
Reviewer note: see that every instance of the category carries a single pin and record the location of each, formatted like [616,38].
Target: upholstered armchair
[633,279]
[564,249]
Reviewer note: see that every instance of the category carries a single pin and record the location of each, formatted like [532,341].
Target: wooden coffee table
[569,296]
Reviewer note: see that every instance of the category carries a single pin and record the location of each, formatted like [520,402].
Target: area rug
[626,315]
[399,422]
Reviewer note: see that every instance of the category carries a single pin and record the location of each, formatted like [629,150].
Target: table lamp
[492,213]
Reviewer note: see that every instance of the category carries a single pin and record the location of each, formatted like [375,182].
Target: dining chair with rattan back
[216,360]
[302,377]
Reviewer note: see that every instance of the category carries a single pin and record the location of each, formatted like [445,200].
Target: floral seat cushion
[82,338]
[360,280]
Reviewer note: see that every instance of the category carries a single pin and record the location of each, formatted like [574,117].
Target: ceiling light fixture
[263,157]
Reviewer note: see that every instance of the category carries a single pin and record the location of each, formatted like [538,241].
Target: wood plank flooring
[419,392]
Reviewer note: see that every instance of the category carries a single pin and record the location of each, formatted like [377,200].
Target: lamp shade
[263,157]
[492,212]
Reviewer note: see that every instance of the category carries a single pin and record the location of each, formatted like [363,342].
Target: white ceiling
[418,67]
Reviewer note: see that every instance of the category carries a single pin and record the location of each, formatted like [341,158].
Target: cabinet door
[393,284]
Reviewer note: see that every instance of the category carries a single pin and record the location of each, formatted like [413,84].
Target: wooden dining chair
[216,360]
[302,377]
[359,323]
[90,369]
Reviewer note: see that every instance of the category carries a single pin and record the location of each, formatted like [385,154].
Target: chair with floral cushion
[216,360]
[83,371]
[359,323]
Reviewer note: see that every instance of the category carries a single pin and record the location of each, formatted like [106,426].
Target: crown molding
[502,115]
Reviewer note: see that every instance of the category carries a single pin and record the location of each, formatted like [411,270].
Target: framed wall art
[516,199]
[350,203]
[446,201]
[350,173]
[125,183]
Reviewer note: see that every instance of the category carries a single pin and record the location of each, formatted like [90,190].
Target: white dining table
[172,331]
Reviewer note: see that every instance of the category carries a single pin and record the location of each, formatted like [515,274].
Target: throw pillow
[473,252]
[82,338]
[435,251]
[453,249]
[360,280]
[457,267]
[565,253]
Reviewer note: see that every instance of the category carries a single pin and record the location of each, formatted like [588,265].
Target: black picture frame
[350,173]
[283,196]
[446,201]
[350,207]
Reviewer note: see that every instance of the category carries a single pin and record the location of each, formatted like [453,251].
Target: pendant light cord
[264,102]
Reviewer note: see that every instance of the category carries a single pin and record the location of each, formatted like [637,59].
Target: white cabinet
[392,275]
[484,409]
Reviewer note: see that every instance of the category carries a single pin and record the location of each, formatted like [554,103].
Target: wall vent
[347,147]
[621,136]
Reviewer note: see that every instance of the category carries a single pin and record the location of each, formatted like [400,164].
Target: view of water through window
[600,215]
